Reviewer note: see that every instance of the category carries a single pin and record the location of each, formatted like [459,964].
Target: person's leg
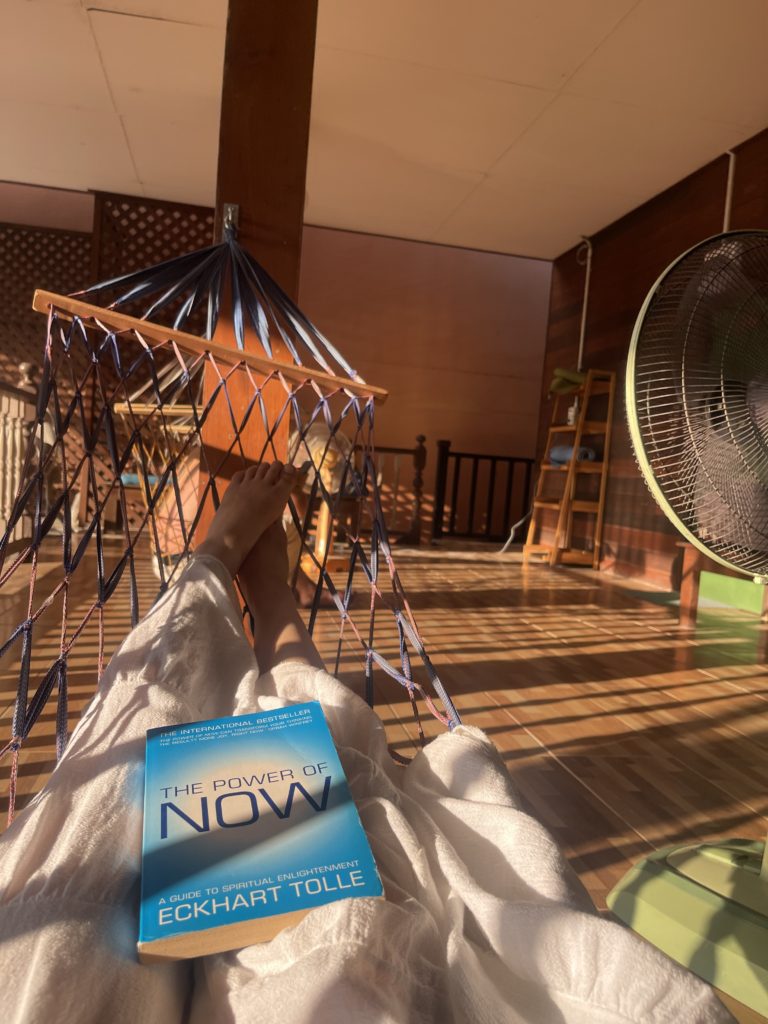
[69,864]
[250,511]
[305,591]
[280,634]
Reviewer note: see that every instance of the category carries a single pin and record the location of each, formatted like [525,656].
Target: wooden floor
[38,755]
[622,733]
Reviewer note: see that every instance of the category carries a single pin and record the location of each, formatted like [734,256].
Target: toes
[237,477]
[274,472]
[270,472]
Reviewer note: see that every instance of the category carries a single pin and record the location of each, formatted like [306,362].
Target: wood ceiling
[509,125]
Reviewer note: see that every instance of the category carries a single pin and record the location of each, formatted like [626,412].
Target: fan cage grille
[697,387]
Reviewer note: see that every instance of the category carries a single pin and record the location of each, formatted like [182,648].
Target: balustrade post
[27,378]
[17,406]
[28,384]
[443,448]
[413,535]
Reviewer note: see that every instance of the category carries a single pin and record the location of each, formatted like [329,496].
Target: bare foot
[251,504]
[305,592]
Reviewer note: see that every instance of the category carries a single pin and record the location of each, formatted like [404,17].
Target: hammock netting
[120,474]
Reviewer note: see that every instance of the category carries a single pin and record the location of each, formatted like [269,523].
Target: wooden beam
[266,94]
[264,129]
[69,307]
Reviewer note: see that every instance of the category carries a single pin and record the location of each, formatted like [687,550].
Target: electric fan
[697,406]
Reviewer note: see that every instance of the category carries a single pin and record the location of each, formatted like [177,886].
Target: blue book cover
[248,825]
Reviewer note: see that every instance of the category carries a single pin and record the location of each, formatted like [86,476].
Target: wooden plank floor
[622,733]
[38,754]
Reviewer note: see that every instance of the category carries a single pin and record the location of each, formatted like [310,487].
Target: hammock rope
[117,403]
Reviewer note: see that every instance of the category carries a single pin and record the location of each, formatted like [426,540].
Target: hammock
[126,405]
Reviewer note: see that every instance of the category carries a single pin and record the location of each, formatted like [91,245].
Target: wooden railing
[17,411]
[401,493]
[470,486]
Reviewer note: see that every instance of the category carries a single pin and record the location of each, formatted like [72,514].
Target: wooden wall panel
[750,186]
[456,336]
[628,257]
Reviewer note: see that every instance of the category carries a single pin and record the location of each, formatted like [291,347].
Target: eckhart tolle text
[207,902]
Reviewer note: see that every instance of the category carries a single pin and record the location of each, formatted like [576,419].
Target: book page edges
[218,939]
[223,937]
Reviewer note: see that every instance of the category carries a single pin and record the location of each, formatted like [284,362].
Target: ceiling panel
[697,58]
[68,148]
[530,218]
[365,186]
[173,161]
[171,69]
[531,43]
[189,12]
[514,125]
[615,147]
[57,66]
[426,115]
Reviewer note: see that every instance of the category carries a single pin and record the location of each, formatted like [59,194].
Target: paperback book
[248,825]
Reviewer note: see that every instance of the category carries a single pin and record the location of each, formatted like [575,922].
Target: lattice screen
[131,232]
[34,258]
[29,257]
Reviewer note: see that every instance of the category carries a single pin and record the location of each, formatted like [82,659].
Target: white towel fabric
[483,919]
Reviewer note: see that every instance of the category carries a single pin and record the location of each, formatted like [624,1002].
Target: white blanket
[483,919]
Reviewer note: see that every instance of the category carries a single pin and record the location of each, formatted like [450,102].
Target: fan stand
[706,906]
[697,360]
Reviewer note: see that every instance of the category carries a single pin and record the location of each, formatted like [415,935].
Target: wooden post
[413,535]
[264,134]
[689,585]
[263,140]
[443,447]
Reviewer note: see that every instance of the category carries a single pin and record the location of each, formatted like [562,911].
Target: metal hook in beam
[230,218]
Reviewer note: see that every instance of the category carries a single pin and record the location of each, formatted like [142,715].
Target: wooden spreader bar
[43,301]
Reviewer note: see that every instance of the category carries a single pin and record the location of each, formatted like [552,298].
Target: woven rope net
[120,478]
